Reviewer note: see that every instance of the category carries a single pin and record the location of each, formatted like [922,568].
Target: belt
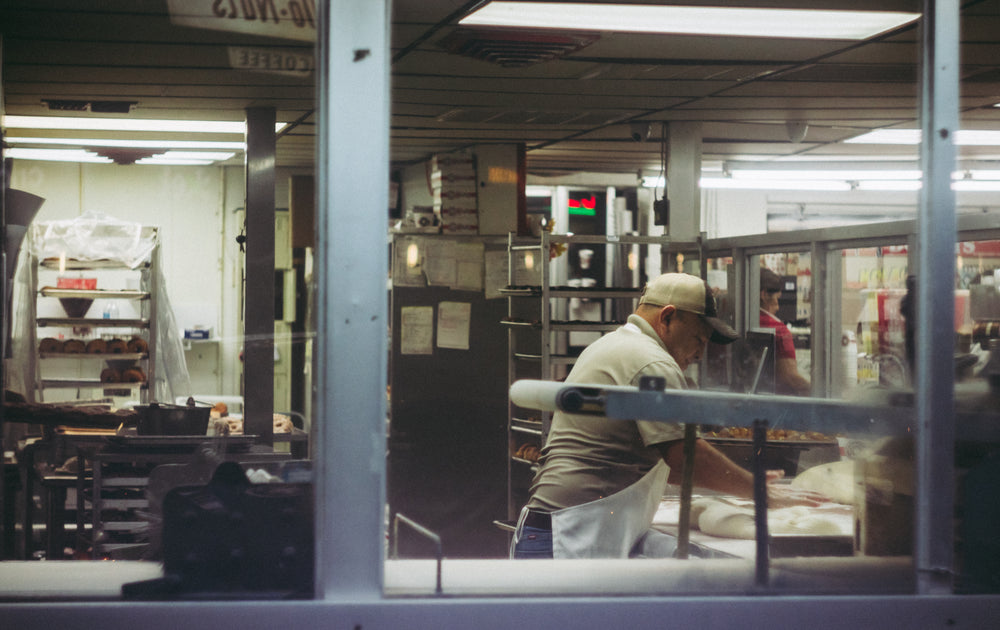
[538,520]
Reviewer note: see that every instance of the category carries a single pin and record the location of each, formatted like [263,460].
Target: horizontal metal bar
[824,415]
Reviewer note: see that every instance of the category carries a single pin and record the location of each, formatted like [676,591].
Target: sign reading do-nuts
[286,19]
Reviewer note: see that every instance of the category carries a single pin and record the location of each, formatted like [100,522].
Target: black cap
[722,333]
[770,281]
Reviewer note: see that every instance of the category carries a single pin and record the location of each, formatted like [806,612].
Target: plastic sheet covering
[95,236]
[91,236]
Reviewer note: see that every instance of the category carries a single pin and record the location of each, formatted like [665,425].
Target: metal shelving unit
[50,368]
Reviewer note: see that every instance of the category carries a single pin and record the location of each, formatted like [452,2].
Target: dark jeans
[534,543]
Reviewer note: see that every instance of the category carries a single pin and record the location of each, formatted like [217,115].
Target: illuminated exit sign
[583,207]
[285,19]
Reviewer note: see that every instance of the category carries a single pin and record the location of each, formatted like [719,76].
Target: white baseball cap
[688,293]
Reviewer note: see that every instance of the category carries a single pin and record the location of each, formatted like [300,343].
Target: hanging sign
[270,60]
[286,19]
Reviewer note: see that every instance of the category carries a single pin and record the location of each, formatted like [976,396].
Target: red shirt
[784,346]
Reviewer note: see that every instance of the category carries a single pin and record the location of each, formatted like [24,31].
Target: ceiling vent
[514,48]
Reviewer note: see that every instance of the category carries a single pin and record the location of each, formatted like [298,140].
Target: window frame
[350,474]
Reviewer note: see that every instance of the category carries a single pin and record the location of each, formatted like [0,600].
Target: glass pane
[872,352]
[977,388]
[134,287]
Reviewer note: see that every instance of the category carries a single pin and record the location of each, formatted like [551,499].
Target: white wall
[198,210]
[733,212]
[727,213]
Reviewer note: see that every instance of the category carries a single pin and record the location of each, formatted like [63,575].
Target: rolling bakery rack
[74,351]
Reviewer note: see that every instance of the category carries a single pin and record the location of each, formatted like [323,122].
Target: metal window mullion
[936,233]
[352,174]
[831,302]
[820,337]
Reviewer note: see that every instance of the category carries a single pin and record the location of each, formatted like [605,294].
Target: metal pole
[687,487]
[352,174]
[762,562]
[935,339]
[258,318]
[821,336]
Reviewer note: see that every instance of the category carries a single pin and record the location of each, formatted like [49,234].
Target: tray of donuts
[134,348]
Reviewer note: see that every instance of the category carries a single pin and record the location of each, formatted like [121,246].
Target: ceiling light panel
[138,144]
[55,155]
[725,21]
[128,124]
[963,137]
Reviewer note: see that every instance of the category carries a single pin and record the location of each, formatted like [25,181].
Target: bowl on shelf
[76,307]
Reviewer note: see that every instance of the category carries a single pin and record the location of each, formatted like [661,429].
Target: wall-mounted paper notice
[453,325]
[439,262]
[416,330]
[469,275]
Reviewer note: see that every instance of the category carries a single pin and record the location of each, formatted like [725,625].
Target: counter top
[96,581]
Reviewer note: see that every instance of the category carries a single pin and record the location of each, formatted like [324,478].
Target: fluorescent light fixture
[965,137]
[157,160]
[233,145]
[82,155]
[890,185]
[961,185]
[708,183]
[690,20]
[847,175]
[978,137]
[211,156]
[55,155]
[967,185]
[186,158]
[128,124]
[537,191]
[985,174]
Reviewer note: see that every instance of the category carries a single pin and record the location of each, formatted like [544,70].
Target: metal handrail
[420,529]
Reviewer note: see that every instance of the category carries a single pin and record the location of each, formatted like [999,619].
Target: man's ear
[667,313]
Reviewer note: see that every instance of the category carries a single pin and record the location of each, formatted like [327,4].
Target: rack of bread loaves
[94,329]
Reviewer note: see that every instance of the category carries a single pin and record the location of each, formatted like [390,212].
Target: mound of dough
[725,520]
[802,520]
[834,480]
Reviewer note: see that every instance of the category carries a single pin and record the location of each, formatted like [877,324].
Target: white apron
[608,527]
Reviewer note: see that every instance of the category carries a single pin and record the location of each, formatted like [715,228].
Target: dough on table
[834,480]
[718,518]
[725,520]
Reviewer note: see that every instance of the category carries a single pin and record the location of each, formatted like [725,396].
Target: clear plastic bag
[92,236]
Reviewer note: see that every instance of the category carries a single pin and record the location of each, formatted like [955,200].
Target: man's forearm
[712,469]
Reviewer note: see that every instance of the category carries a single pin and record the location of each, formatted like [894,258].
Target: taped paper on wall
[416,330]
[453,325]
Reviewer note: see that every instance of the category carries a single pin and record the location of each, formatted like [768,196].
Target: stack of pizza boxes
[453,185]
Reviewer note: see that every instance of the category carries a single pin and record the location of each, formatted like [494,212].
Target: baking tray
[778,454]
[800,444]
[93,293]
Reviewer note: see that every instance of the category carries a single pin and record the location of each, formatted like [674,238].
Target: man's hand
[781,495]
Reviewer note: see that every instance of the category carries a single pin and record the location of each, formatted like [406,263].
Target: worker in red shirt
[787,377]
